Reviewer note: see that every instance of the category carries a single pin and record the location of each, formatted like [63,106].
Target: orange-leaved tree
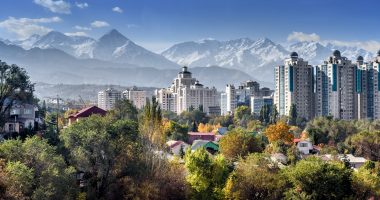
[279,132]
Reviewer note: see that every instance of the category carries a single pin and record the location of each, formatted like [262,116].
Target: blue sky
[156,24]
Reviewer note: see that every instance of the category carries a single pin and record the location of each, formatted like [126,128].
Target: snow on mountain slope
[74,45]
[256,58]
[243,54]
[115,47]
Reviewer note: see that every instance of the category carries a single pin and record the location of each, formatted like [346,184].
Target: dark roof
[336,53]
[184,70]
[378,53]
[294,55]
[360,58]
[86,112]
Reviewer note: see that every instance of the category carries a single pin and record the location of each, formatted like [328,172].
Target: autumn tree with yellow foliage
[207,128]
[279,132]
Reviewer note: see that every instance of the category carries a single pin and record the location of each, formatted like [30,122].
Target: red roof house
[200,136]
[86,112]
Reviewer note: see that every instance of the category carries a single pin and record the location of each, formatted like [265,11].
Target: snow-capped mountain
[72,45]
[244,54]
[27,43]
[256,58]
[115,47]
[352,52]
[314,52]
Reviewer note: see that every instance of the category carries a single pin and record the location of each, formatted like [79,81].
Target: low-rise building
[200,136]
[176,146]
[210,146]
[304,146]
[21,116]
[86,112]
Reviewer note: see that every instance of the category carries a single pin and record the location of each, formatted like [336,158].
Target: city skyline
[158,25]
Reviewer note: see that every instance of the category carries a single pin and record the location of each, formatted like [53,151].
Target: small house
[86,112]
[175,147]
[210,146]
[304,146]
[200,136]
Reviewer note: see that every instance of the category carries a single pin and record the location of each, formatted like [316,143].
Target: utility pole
[57,114]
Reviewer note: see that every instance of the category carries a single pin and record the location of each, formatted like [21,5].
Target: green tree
[19,180]
[265,114]
[206,176]
[255,177]
[176,131]
[14,86]
[273,115]
[35,166]
[97,145]
[150,126]
[316,179]
[366,144]
[242,115]
[293,115]
[366,181]
[124,109]
[239,142]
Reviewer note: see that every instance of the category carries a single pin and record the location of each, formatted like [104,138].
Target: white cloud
[55,6]
[83,28]
[303,37]
[76,34]
[117,9]
[81,5]
[25,27]
[99,24]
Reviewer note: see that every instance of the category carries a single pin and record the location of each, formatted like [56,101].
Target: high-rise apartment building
[231,99]
[294,86]
[367,88]
[336,88]
[242,95]
[223,103]
[136,96]
[185,93]
[107,98]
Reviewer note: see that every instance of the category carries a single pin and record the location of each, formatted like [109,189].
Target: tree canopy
[14,86]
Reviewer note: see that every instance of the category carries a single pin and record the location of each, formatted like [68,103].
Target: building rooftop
[294,55]
[86,112]
[199,133]
[336,53]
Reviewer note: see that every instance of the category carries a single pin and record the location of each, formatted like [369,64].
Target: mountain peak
[114,37]
[264,41]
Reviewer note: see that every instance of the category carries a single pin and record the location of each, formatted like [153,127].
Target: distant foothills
[113,59]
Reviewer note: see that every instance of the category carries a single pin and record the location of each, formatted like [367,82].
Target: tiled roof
[86,112]
[199,133]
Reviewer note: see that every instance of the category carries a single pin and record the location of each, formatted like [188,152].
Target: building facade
[336,93]
[257,102]
[294,85]
[136,96]
[107,98]
[367,88]
[231,98]
[242,95]
[185,93]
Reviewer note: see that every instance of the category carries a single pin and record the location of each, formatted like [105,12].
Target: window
[304,145]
